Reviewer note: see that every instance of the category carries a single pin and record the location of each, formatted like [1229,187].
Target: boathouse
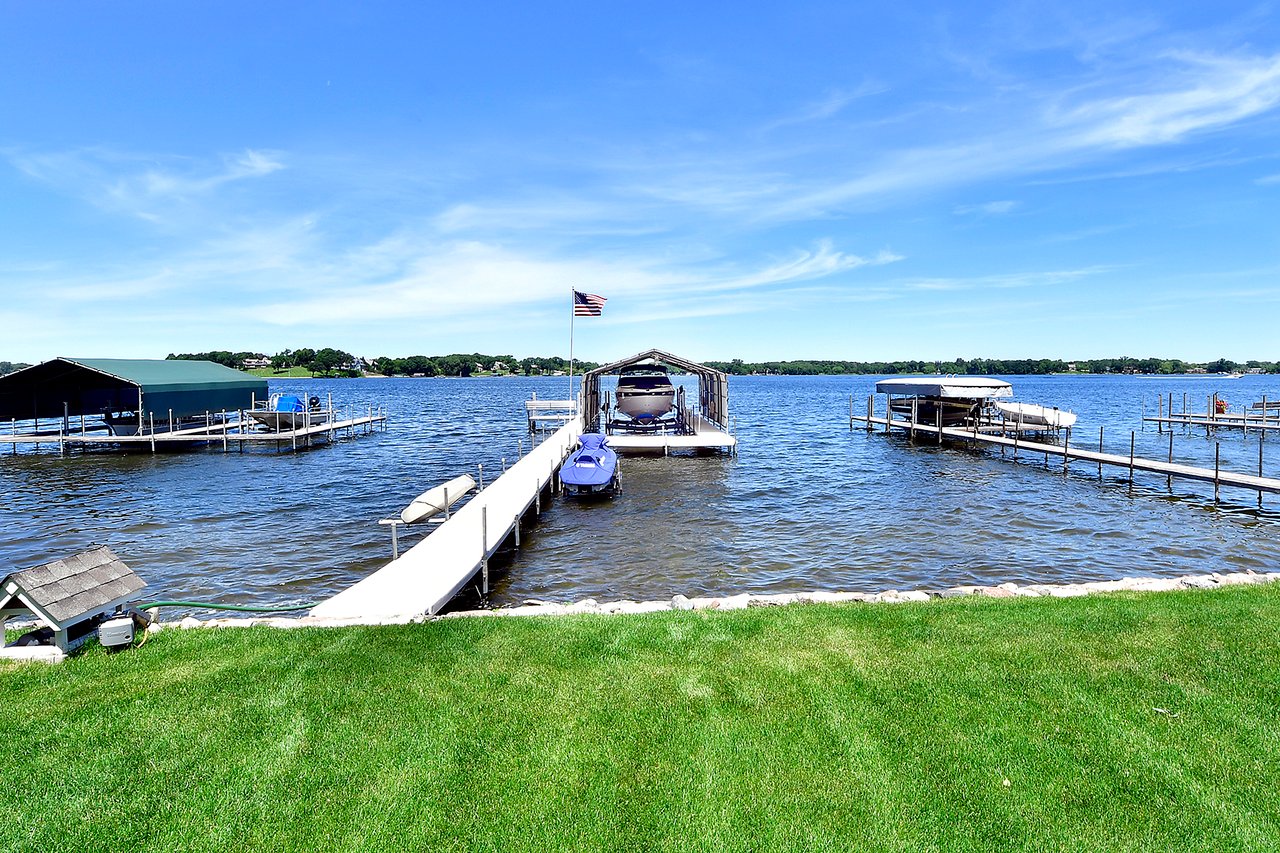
[71,387]
[704,426]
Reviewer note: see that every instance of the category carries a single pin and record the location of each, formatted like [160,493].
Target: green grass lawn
[1106,723]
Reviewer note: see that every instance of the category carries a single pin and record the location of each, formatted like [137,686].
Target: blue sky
[809,180]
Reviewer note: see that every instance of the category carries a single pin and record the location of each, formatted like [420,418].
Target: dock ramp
[428,575]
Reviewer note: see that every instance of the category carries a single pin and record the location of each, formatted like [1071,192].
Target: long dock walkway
[428,575]
[228,432]
[1067,454]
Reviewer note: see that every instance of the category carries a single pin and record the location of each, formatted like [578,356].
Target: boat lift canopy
[953,387]
[92,386]
[713,385]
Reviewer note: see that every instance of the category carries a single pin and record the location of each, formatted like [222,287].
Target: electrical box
[116,632]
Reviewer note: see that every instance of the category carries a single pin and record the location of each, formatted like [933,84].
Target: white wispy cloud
[141,185]
[1198,92]
[1006,281]
[828,106]
[990,208]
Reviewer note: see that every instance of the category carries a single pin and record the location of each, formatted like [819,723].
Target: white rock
[681,602]
[190,622]
[778,600]
[641,606]
[735,602]
[917,595]
[1199,582]
[33,654]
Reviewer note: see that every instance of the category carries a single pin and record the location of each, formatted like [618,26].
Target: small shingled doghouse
[72,595]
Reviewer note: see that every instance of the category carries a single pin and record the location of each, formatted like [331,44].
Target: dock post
[1171,459]
[446,503]
[1261,433]
[1066,448]
[939,426]
[224,430]
[871,410]
[395,541]
[240,429]
[1132,440]
[537,497]
[1217,459]
[915,401]
[152,419]
[1099,452]
[888,414]
[1160,414]
[484,560]
[850,413]
[480,468]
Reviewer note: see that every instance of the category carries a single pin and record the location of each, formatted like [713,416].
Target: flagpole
[572,311]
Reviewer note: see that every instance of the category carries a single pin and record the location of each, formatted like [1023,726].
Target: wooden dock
[428,575]
[1217,415]
[228,429]
[1067,454]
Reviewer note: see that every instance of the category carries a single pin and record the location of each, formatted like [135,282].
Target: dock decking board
[227,432]
[428,575]
[1169,469]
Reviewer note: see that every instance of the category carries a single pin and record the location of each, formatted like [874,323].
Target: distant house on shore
[1196,370]
[255,363]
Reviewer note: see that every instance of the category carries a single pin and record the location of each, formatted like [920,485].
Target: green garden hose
[209,605]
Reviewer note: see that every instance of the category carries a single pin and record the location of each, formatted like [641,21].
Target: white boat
[645,391]
[289,412]
[1038,417]
[437,500]
[953,399]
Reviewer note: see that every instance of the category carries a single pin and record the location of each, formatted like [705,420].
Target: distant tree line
[322,362]
[11,366]
[469,364]
[335,362]
[984,366]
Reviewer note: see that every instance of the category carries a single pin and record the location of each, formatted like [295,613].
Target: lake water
[806,504]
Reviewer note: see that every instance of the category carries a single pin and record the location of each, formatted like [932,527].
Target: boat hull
[285,421]
[645,404]
[1039,417]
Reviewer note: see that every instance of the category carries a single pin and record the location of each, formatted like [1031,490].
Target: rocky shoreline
[745,600]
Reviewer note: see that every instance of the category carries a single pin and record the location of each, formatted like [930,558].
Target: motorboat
[1036,417]
[592,469]
[953,400]
[289,412]
[645,392]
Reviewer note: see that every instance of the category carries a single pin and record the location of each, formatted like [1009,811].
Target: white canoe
[433,501]
[1029,414]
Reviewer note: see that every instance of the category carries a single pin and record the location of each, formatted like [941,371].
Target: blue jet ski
[592,469]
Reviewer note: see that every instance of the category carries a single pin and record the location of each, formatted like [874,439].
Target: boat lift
[701,426]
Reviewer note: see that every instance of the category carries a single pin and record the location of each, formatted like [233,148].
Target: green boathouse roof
[93,386]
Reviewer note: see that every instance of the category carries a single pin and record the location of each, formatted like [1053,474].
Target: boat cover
[289,403]
[593,464]
[957,387]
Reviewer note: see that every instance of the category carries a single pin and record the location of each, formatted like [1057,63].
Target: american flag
[587,304]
